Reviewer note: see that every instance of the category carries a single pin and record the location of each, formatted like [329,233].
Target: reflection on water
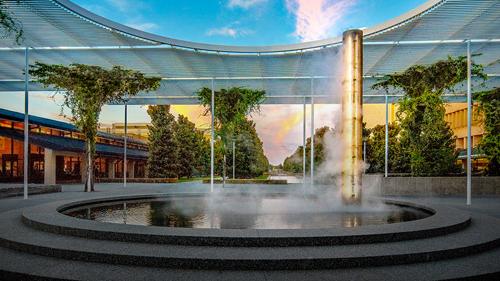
[240,212]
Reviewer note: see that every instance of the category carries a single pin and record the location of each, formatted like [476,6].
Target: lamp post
[234,156]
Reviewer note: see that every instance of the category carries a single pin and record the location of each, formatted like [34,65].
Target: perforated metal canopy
[58,31]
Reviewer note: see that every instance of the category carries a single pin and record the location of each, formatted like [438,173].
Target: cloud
[317,19]
[228,31]
[121,5]
[244,4]
[144,26]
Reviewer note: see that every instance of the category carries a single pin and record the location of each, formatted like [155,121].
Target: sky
[235,22]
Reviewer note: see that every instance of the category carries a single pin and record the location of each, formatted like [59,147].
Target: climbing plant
[85,89]
[232,106]
[489,109]
[9,24]
[429,144]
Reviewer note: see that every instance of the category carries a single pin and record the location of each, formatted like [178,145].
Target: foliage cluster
[422,143]
[250,161]
[294,162]
[9,24]
[489,109]
[232,107]
[176,148]
[85,89]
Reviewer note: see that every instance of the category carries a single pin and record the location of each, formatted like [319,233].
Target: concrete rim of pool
[48,217]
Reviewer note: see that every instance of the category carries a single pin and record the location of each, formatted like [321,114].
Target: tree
[163,160]
[249,153]
[489,107]
[232,106]
[375,150]
[10,25]
[202,155]
[185,134]
[293,163]
[425,137]
[85,89]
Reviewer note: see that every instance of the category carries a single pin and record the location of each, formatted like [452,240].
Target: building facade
[135,130]
[56,152]
[456,116]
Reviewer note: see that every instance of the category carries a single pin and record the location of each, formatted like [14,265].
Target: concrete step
[15,265]
[482,235]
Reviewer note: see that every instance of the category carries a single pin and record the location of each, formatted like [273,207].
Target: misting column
[352,115]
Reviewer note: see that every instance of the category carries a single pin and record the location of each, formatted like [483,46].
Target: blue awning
[59,125]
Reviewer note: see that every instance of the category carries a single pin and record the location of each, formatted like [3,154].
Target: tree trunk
[89,181]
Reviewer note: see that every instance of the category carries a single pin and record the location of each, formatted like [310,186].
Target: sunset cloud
[317,19]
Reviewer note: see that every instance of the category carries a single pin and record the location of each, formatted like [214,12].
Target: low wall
[431,186]
[137,180]
[247,181]
[11,190]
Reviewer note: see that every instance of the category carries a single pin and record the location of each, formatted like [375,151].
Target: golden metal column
[352,115]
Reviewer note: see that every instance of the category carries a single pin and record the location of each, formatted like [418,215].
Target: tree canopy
[489,108]
[435,78]
[425,139]
[232,106]
[293,163]
[85,89]
[9,24]
[163,159]
[249,153]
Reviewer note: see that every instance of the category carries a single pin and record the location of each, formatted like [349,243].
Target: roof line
[158,39]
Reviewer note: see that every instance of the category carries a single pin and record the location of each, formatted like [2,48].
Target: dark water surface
[242,212]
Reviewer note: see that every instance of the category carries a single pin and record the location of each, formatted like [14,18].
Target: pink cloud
[317,19]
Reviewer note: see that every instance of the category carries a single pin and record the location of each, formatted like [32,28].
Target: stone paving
[489,205]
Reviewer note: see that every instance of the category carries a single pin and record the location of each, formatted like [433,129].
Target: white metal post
[386,159]
[364,156]
[125,149]
[469,119]
[312,133]
[26,124]
[234,157]
[212,136]
[304,144]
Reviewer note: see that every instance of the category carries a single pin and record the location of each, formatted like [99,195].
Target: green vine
[86,89]
[489,109]
[425,139]
[9,24]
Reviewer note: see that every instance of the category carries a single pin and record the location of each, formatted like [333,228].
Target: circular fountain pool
[244,212]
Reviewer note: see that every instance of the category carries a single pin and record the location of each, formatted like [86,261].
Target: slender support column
[469,119]
[49,166]
[386,143]
[364,156]
[212,136]
[26,124]
[131,169]
[352,116]
[125,149]
[312,132]
[304,144]
[111,168]
[234,157]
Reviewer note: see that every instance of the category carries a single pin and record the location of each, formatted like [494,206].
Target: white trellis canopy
[58,31]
